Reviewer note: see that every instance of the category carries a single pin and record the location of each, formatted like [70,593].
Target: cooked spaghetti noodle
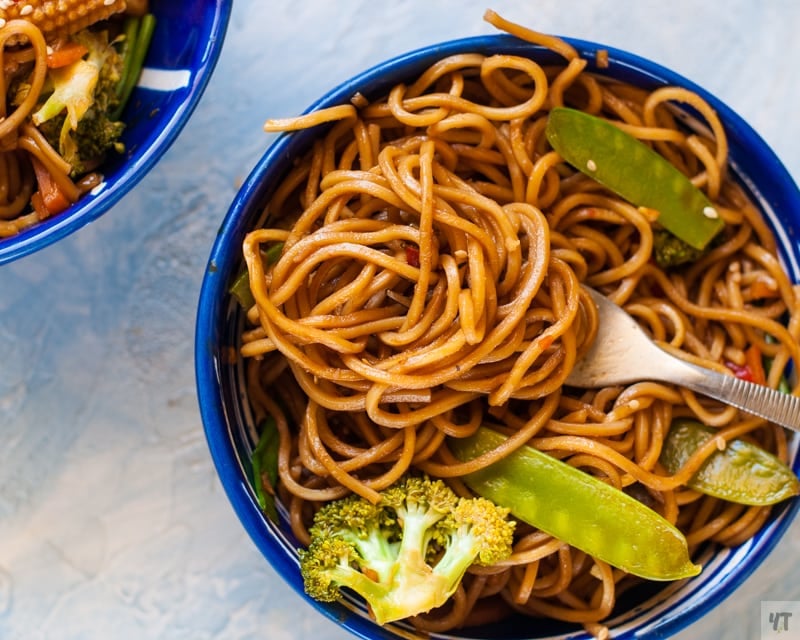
[16,176]
[432,251]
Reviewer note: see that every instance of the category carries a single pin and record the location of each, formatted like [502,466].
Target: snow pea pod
[741,472]
[264,461]
[577,508]
[240,289]
[634,171]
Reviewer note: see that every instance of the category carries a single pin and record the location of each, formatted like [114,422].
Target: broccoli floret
[95,136]
[407,554]
[87,146]
[75,116]
[670,251]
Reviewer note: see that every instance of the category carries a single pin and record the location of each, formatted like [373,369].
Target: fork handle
[765,402]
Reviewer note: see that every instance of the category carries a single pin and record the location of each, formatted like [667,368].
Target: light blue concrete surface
[112,522]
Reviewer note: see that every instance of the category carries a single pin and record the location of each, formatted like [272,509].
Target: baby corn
[58,18]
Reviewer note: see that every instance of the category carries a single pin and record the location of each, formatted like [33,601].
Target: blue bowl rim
[54,229]
[774,179]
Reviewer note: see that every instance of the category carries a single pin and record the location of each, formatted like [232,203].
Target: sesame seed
[591,165]
[26,10]
[710,212]
[2,23]
[108,3]
[49,50]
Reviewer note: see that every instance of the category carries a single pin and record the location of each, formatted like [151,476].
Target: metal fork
[623,353]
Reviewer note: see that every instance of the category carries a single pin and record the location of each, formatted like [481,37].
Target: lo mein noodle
[432,248]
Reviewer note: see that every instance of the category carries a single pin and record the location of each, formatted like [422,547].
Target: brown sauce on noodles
[433,250]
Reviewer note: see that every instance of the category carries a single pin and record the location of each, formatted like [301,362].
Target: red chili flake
[741,371]
[412,256]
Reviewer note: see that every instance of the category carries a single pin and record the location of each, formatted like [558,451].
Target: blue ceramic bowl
[655,611]
[186,45]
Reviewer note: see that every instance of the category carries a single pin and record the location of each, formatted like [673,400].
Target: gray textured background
[112,521]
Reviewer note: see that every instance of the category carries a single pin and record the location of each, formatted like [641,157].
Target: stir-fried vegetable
[264,461]
[740,472]
[49,199]
[138,34]
[407,554]
[240,289]
[578,509]
[634,171]
[80,95]
[670,251]
[90,79]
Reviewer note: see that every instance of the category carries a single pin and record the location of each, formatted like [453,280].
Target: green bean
[135,52]
[742,472]
[130,29]
[634,171]
[577,508]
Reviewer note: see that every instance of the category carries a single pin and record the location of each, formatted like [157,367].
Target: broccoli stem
[457,558]
[370,590]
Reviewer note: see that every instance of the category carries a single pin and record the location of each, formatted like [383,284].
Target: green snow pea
[264,461]
[578,509]
[240,289]
[741,472]
[634,171]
